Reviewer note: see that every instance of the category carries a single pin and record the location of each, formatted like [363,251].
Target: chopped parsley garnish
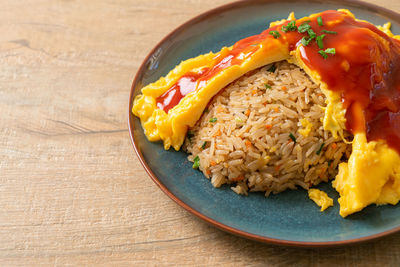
[206,110]
[331,51]
[290,27]
[305,26]
[319,41]
[330,32]
[189,135]
[305,41]
[320,22]
[311,33]
[276,34]
[196,162]
[324,53]
[292,137]
[267,86]
[213,120]
[204,145]
[272,68]
[320,149]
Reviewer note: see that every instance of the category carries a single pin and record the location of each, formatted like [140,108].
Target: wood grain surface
[72,191]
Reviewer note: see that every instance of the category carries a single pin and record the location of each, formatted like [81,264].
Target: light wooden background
[72,191]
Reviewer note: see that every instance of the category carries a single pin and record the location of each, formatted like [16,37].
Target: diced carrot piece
[276,109]
[220,109]
[247,143]
[208,172]
[277,167]
[237,179]
[247,113]
[322,173]
[254,92]
[334,146]
[213,163]
[218,133]
[284,88]
[268,126]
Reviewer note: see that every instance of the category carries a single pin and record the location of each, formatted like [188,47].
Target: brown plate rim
[232,230]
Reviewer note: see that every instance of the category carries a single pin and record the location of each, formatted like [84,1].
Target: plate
[288,218]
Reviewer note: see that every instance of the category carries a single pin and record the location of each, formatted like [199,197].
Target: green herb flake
[323,54]
[196,162]
[329,32]
[254,44]
[319,41]
[331,51]
[292,137]
[311,33]
[213,120]
[206,110]
[320,22]
[306,41]
[204,145]
[290,27]
[272,68]
[305,26]
[276,34]
[267,86]
[320,149]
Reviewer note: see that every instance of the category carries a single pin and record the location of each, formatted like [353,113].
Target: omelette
[356,65]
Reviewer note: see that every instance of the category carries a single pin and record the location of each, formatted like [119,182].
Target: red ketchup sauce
[185,85]
[365,70]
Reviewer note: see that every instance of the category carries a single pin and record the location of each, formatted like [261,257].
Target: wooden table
[72,191]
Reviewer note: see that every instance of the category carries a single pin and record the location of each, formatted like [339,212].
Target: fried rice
[264,132]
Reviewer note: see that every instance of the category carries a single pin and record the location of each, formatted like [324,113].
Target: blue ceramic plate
[288,218]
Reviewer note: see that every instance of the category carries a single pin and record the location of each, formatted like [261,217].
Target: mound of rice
[263,132]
